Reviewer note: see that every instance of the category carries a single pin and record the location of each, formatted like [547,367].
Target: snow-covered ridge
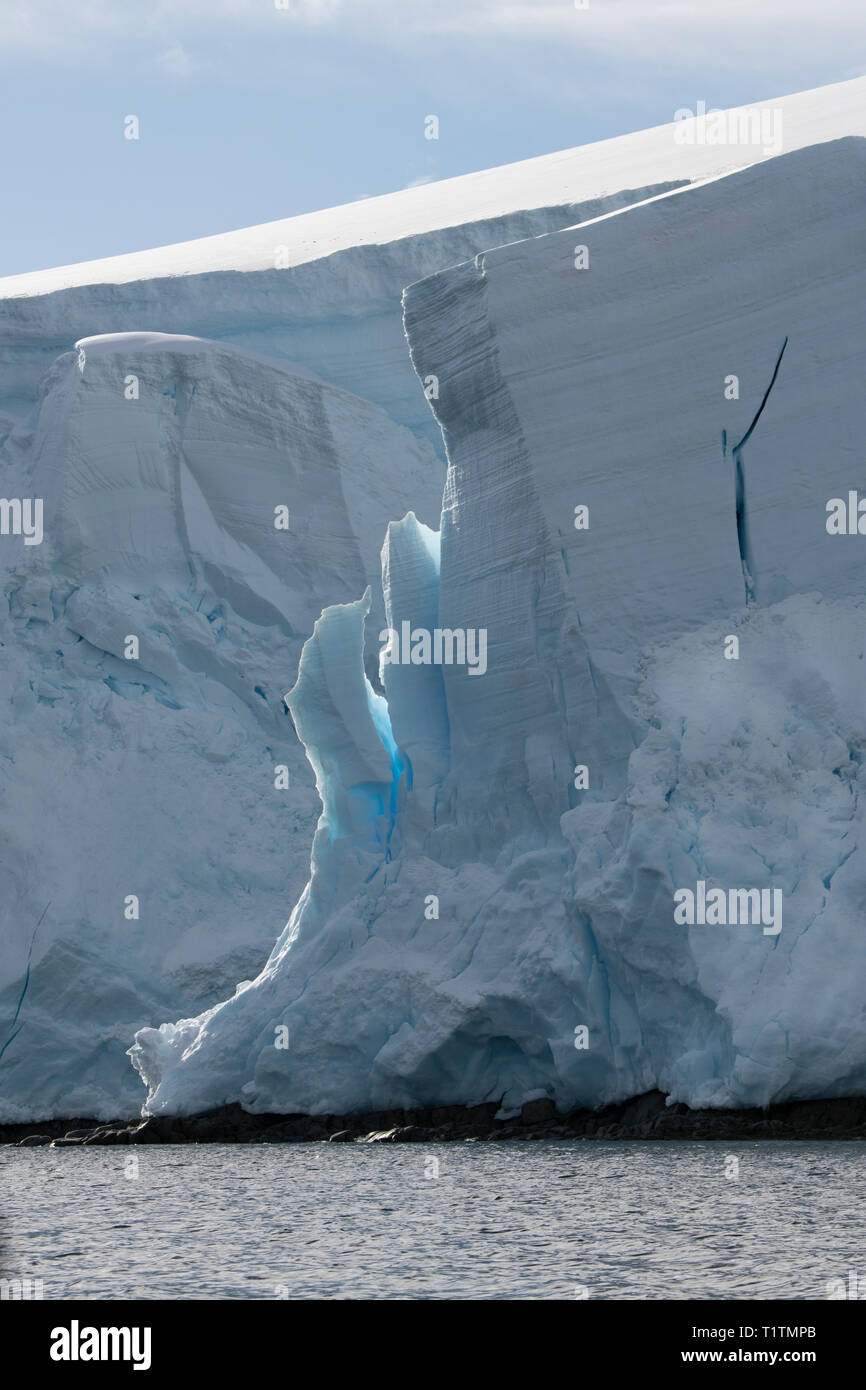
[323,289]
[569,176]
[338,315]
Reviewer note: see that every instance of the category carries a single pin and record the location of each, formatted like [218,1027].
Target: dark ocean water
[547,1220]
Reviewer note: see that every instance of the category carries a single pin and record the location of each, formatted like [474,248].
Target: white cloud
[311,11]
[176,61]
[664,32]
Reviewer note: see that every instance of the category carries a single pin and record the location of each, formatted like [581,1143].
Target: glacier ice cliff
[337,315]
[474,911]
[176,777]
[323,289]
[494,928]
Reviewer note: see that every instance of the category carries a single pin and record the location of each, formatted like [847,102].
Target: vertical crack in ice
[13,1031]
[766,397]
[746,563]
[746,560]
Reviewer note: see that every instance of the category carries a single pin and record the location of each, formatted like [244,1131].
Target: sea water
[521,1220]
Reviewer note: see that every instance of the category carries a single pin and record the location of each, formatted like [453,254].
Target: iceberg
[640,363]
[713,708]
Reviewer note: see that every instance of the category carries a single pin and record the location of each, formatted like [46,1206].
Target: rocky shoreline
[645,1117]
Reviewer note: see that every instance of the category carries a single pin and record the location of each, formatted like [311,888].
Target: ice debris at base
[469,910]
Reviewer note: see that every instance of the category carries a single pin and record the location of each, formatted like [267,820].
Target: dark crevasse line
[13,1031]
[746,558]
[760,410]
[746,562]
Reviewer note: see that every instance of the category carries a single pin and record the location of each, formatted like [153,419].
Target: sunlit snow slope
[324,289]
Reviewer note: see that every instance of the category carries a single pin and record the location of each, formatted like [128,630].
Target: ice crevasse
[475,907]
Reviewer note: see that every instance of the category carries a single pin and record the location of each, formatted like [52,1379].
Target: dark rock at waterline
[45,1130]
[537,1112]
[644,1117]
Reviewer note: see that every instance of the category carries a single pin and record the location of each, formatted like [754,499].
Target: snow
[571,175]
[469,906]
[323,289]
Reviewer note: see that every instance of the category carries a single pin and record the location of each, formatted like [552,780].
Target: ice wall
[516,904]
[337,314]
[323,289]
[169,785]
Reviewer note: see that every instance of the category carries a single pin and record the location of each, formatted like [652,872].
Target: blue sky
[249,112]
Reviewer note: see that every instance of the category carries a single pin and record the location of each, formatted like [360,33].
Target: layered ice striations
[322,305]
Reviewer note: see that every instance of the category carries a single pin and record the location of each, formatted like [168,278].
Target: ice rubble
[557,388]
[555,905]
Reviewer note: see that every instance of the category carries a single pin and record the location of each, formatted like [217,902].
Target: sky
[254,110]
